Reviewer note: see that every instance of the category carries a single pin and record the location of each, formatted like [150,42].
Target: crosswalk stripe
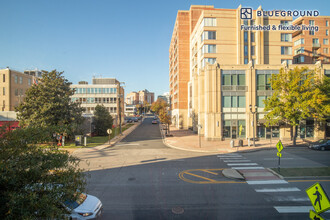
[238,160]
[295,209]
[287,199]
[242,164]
[248,168]
[290,189]
[260,182]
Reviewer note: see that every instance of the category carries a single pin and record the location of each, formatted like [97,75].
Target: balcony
[316,45]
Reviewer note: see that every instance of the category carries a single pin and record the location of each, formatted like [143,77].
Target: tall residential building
[132,98]
[204,34]
[165,97]
[146,96]
[310,46]
[103,91]
[13,85]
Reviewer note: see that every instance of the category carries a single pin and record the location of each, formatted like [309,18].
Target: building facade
[102,91]
[223,95]
[13,85]
[310,46]
[165,97]
[132,98]
[146,96]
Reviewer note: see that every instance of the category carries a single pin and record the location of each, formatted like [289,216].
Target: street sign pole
[279,164]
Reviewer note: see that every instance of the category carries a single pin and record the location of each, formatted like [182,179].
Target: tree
[48,103]
[297,96]
[102,120]
[160,107]
[34,179]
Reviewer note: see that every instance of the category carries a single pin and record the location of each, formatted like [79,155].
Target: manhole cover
[131,179]
[178,210]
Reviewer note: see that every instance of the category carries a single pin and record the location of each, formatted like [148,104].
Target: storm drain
[178,210]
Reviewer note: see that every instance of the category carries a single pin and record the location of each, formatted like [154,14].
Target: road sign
[240,130]
[279,154]
[279,146]
[318,198]
[314,216]
[109,131]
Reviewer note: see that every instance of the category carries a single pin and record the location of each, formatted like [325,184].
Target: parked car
[135,119]
[322,144]
[154,121]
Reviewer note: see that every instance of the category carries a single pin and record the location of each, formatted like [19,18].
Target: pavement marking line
[234,156]
[261,182]
[202,177]
[287,199]
[207,171]
[248,168]
[242,164]
[233,161]
[290,189]
[295,209]
[289,158]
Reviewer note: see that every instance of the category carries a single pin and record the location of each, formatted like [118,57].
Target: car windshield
[321,141]
[72,204]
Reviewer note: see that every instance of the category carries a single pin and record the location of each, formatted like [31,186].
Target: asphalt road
[141,178]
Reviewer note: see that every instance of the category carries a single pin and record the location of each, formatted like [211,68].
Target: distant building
[13,85]
[146,96]
[103,91]
[130,110]
[132,98]
[311,46]
[165,97]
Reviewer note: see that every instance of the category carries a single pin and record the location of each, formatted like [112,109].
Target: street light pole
[253,124]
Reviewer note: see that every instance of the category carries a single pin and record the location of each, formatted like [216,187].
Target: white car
[85,207]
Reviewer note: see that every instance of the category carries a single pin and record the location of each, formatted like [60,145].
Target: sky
[123,39]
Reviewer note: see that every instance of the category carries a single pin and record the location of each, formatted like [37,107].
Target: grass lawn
[98,140]
[294,172]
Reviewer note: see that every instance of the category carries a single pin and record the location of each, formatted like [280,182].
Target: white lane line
[289,189]
[287,199]
[260,182]
[295,209]
[248,168]
[242,164]
[231,161]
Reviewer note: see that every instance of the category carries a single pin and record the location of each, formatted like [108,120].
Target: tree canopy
[49,103]
[35,179]
[298,94]
[102,120]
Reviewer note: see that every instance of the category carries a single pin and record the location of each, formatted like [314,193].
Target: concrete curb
[232,174]
[276,174]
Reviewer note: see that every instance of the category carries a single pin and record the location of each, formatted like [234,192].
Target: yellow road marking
[210,172]
[202,177]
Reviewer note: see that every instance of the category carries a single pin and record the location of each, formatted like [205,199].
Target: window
[209,48]
[208,35]
[88,91]
[246,60]
[4,77]
[253,22]
[4,91]
[325,41]
[327,23]
[245,22]
[327,32]
[92,90]
[260,101]
[209,22]
[241,79]
[16,79]
[286,37]
[84,90]
[252,36]
[245,36]
[208,60]
[326,50]
[286,50]
[21,91]
[29,82]
[237,78]
[326,60]
[286,23]
[20,80]
[252,50]
[16,92]
[300,41]
[299,50]
[246,50]
[263,79]
[233,101]
[311,23]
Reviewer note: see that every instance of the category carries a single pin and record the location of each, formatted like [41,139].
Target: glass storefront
[306,129]
[234,129]
[264,132]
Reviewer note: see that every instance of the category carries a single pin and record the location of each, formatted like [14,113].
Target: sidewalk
[188,140]
[113,141]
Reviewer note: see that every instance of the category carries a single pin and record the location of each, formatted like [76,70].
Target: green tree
[297,96]
[160,107]
[34,179]
[49,103]
[102,120]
